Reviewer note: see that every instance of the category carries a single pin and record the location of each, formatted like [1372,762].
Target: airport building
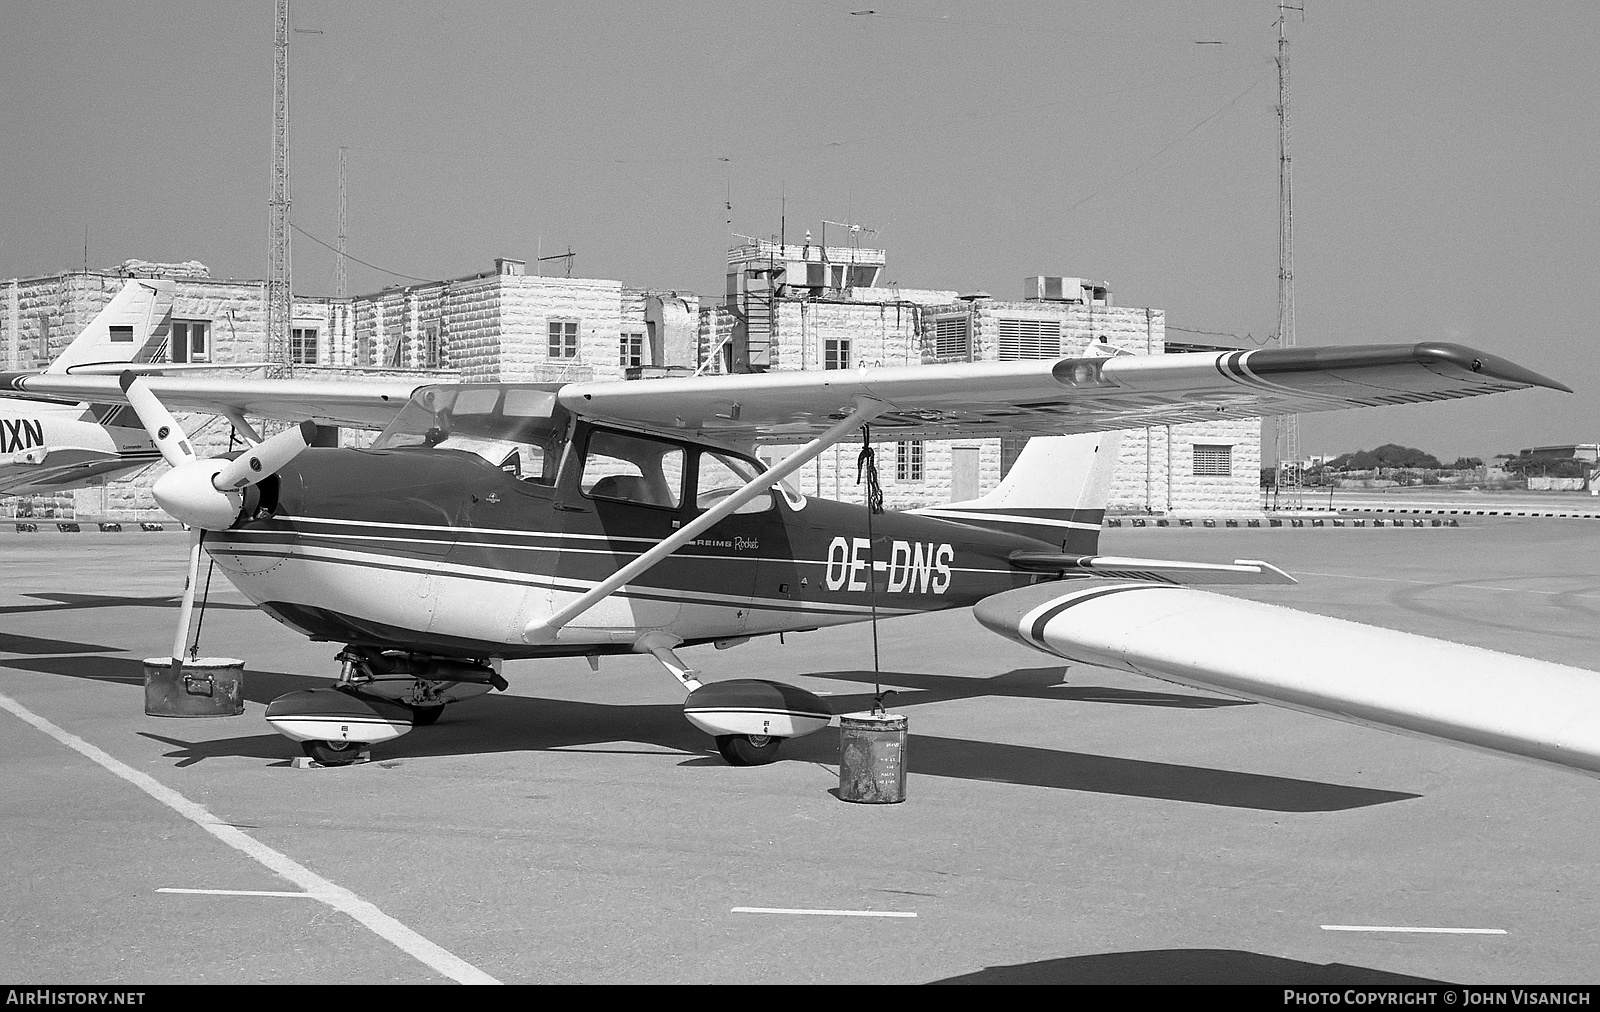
[794,306]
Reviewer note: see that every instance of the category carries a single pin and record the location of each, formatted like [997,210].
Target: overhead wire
[347,256]
[1222,333]
[1179,140]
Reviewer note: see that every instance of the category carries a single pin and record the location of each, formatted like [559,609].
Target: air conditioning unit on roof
[1054,288]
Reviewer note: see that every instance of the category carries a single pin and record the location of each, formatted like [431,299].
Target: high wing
[933,401]
[357,404]
[1331,667]
[1055,396]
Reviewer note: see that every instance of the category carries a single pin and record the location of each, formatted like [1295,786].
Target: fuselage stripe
[500,578]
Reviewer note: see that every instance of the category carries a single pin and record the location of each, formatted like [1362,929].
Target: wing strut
[544,630]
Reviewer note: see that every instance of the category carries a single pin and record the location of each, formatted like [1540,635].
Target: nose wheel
[748,749]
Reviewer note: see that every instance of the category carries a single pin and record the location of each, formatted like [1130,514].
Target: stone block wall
[879,334]
[529,304]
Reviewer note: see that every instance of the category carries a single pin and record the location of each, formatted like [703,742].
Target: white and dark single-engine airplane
[500,521]
[54,444]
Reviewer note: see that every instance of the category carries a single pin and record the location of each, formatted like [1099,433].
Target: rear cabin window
[719,476]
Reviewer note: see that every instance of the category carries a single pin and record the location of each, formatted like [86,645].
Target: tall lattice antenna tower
[338,262]
[1286,442]
[279,295]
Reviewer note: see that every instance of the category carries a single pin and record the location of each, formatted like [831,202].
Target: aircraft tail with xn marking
[132,328]
[1056,492]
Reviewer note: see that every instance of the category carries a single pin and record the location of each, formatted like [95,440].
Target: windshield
[517,427]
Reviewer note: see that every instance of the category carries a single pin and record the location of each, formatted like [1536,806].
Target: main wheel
[425,716]
[748,749]
[332,753]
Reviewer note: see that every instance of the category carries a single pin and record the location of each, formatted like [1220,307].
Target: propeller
[204,492]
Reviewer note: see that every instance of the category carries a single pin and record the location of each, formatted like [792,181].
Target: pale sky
[1446,157]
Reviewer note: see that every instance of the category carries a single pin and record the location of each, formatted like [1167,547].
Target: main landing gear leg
[737,749]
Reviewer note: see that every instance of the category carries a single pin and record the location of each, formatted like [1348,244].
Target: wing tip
[1428,354]
[1463,357]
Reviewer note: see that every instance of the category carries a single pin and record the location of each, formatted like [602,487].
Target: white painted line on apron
[335,896]
[825,913]
[1415,931]
[234,892]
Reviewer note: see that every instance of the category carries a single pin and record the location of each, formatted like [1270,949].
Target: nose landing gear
[379,696]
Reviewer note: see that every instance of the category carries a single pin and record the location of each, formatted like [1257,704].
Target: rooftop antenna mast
[338,263]
[279,298]
[855,229]
[1286,442]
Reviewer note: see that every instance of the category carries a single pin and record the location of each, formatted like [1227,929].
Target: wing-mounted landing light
[204,492]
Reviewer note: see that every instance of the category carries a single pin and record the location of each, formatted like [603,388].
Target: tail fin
[1055,492]
[133,328]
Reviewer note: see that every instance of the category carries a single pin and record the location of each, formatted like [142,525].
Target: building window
[1025,339]
[432,347]
[908,461]
[632,349]
[1214,461]
[952,337]
[836,353]
[303,345]
[1011,448]
[564,339]
[191,341]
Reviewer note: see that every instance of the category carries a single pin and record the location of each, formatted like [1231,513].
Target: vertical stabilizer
[1056,492]
[133,328]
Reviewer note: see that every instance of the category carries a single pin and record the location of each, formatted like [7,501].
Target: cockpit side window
[632,468]
[519,429]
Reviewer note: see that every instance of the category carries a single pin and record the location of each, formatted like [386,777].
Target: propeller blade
[164,430]
[264,459]
[181,642]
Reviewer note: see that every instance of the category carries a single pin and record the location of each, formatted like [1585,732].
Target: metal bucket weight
[872,758]
[202,687]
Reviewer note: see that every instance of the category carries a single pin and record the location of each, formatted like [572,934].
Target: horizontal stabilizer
[1113,567]
[1358,673]
[157,368]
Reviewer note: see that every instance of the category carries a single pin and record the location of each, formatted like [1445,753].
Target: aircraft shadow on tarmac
[15,643]
[517,723]
[1182,966]
[74,602]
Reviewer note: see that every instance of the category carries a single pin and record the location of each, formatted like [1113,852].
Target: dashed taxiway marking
[1414,931]
[335,896]
[823,913]
[237,892]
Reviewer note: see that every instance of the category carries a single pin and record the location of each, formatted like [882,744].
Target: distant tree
[1466,463]
[1389,455]
[1523,464]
